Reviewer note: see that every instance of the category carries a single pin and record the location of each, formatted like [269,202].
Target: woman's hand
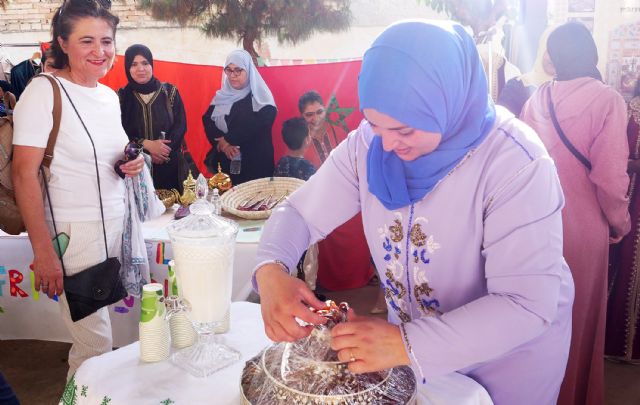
[368,344]
[133,167]
[225,147]
[282,299]
[48,273]
[613,239]
[231,151]
[158,150]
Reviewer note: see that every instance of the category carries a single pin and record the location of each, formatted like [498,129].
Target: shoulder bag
[10,218]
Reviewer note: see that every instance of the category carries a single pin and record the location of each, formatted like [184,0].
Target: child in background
[295,134]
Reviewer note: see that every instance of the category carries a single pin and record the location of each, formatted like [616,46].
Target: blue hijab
[427,75]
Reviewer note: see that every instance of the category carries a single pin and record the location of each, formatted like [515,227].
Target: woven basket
[260,188]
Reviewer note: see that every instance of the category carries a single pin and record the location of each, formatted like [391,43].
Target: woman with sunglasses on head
[238,122]
[83,178]
[461,206]
[153,115]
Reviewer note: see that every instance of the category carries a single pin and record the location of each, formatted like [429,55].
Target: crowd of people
[490,229]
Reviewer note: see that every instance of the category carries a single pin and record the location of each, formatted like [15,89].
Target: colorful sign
[27,314]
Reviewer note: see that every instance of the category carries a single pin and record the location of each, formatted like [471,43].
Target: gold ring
[352,358]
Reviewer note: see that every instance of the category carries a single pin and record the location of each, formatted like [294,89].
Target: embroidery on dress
[396,231]
[422,247]
[70,394]
[395,291]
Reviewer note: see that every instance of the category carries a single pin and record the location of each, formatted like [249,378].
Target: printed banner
[27,314]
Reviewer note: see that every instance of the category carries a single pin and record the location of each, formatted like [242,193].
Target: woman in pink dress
[593,117]
[623,314]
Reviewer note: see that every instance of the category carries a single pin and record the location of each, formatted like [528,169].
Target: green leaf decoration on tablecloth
[105,400]
[167,401]
[83,393]
[1,310]
[70,395]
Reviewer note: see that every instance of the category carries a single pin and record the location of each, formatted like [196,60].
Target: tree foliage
[250,21]
[480,15]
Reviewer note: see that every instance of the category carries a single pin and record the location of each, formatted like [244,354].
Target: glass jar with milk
[203,246]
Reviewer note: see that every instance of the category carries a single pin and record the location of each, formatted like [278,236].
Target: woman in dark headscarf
[461,208]
[573,52]
[592,116]
[153,115]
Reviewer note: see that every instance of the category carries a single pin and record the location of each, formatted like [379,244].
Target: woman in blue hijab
[461,207]
[447,95]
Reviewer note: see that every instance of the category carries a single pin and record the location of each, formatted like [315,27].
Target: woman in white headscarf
[238,122]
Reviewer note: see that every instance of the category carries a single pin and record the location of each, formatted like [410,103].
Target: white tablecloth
[26,314]
[120,377]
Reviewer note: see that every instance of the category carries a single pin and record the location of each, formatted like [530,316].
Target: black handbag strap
[95,157]
[563,137]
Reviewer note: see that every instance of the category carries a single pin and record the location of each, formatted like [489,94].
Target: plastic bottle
[236,164]
[215,200]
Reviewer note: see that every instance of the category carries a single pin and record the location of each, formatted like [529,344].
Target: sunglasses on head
[132,150]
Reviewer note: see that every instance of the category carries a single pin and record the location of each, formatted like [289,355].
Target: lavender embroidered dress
[474,269]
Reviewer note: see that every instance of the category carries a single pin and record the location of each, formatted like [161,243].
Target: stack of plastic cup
[154,328]
[182,332]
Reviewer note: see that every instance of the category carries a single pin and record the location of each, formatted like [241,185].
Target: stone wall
[35,15]
[190,45]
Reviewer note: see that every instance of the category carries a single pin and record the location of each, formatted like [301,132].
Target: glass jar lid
[203,223]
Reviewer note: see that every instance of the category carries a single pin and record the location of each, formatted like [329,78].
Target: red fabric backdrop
[344,255]
[198,83]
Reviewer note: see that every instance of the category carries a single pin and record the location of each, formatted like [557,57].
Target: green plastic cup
[173,281]
[152,302]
